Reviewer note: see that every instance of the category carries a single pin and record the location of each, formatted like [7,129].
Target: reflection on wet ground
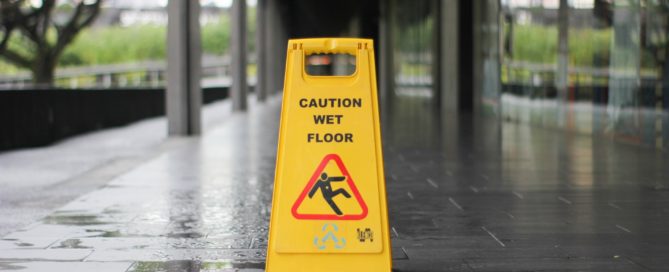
[464,195]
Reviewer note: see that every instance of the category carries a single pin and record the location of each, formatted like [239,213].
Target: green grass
[538,44]
[110,45]
[115,45]
[534,44]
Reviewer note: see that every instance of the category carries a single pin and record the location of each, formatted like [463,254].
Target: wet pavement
[35,181]
[463,195]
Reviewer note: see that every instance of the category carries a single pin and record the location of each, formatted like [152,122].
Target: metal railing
[537,74]
[215,72]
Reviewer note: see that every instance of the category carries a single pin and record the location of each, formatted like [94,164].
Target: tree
[46,38]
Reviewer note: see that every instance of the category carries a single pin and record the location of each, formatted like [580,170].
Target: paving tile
[26,243]
[151,255]
[45,255]
[500,197]
[552,264]
[196,265]
[40,266]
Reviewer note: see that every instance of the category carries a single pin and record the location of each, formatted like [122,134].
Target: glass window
[616,76]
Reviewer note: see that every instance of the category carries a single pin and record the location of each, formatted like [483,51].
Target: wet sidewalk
[464,195]
[202,204]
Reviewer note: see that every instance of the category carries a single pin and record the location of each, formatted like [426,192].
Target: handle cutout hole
[329,64]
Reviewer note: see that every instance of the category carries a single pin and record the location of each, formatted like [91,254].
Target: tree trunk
[44,72]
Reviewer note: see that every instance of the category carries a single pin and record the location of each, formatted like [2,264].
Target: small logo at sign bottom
[329,238]
[366,234]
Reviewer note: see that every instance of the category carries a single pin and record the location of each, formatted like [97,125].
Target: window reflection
[617,67]
[413,27]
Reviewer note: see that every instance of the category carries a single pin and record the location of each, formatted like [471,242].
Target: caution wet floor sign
[329,205]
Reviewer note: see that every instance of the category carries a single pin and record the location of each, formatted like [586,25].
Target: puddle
[185,235]
[71,243]
[189,243]
[10,267]
[105,233]
[73,220]
[111,211]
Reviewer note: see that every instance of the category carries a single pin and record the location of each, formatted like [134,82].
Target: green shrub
[116,44]
[538,44]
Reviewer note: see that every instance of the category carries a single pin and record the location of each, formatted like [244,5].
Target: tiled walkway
[463,196]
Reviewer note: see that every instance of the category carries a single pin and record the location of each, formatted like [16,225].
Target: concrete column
[261,54]
[448,56]
[270,44]
[183,98]
[437,51]
[385,59]
[492,59]
[275,49]
[562,72]
[477,56]
[238,54]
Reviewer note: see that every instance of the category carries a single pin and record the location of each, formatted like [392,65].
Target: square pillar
[449,56]
[261,53]
[238,54]
[385,57]
[183,97]
[276,41]
[562,72]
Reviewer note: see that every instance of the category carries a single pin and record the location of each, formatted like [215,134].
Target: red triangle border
[349,181]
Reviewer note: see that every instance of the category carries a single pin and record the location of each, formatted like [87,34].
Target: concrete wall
[30,118]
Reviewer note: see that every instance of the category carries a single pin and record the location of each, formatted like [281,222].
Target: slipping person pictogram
[340,208]
[326,190]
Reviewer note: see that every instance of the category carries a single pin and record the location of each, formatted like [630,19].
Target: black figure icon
[326,189]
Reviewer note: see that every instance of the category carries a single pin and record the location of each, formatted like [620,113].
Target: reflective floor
[463,195]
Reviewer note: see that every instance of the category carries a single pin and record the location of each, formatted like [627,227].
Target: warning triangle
[334,201]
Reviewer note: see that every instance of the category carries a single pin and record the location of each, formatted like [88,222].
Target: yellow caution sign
[329,206]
